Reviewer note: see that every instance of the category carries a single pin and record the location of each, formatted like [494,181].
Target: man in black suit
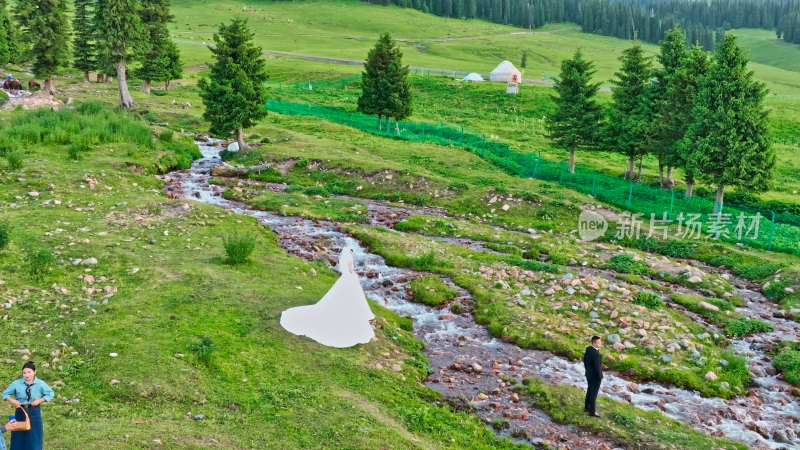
[594,374]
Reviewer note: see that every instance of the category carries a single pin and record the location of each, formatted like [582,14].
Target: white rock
[707,306]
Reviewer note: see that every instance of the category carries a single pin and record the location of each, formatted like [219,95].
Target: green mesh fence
[777,232]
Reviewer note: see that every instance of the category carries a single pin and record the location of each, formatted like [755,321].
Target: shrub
[90,108]
[625,263]
[202,348]
[744,326]
[165,136]
[679,249]
[14,161]
[301,163]
[775,290]
[238,247]
[40,260]
[788,362]
[531,254]
[649,300]
[5,236]
[405,323]
[76,148]
[455,308]
[8,146]
[316,190]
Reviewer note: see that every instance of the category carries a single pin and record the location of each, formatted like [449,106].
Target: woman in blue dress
[28,392]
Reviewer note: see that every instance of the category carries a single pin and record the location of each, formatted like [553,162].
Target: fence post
[671,202]
[630,194]
[594,182]
[561,172]
[771,231]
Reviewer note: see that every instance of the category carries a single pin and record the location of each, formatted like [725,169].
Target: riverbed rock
[695,279]
[707,306]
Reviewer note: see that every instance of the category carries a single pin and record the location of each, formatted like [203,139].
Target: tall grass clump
[40,261]
[238,247]
[14,161]
[625,263]
[5,234]
[649,300]
[7,146]
[202,348]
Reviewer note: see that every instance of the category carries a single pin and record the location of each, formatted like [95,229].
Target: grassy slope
[257,377]
[347,29]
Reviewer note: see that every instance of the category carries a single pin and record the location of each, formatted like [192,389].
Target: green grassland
[165,330]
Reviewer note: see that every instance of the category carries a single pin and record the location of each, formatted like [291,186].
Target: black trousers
[591,395]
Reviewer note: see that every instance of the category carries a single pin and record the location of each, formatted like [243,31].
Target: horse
[7,84]
[100,77]
[32,84]
[16,85]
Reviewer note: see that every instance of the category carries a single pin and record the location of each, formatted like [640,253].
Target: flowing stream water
[468,363]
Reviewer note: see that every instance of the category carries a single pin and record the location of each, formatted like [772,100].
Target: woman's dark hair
[29,365]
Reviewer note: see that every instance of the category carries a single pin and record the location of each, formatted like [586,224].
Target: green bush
[166,136]
[649,300]
[40,261]
[238,247]
[625,263]
[531,254]
[744,326]
[455,308]
[316,190]
[5,235]
[7,146]
[14,161]
[301,163]
[775,290]
[90,108]
[202,348]
[788,362]
[405,323]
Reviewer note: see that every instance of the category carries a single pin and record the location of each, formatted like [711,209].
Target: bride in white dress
[341,318]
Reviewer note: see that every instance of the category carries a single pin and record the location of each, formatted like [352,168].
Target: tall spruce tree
[729,137]
[83,43]
[669,110]
[9,49]
[119,36]
[385,87]
[682,94]
[574,124]
[234,95]
[630,112]
[46,26]
[160,53]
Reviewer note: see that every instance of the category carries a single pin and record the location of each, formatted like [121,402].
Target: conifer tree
[629,114]
[683,93]
[669,110]
[46,27]
[728,140]
[119,36]
[160,53]
[524,61]
[385,87]
[234,95]
[577,117]
[83,43]
[9,49]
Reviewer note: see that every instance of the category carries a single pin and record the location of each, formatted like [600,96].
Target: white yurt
[505,72]
[474,76]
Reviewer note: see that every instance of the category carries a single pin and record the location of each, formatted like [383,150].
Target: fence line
[784,228]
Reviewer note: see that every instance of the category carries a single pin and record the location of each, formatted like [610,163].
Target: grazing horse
[16,85]
[100,77]
[32,84]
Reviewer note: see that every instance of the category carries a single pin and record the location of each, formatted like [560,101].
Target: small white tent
[473,77]
[506,72]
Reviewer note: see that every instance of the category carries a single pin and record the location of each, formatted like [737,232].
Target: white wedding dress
[341,318]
